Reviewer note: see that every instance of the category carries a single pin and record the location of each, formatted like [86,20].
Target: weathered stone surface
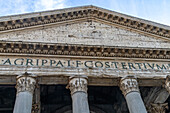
[135,103]
[23,103]
[80,103]
[159,108]
[121,46]
[88,33]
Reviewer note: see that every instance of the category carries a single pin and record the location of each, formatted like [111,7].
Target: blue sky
[153,10]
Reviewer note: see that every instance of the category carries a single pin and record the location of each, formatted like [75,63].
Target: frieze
[83,63]
[82,50]
[89,12]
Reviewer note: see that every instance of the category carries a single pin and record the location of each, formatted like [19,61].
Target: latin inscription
[84,64]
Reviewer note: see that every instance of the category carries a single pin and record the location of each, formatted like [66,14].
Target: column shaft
[80,103]
[23,103]
[135,103]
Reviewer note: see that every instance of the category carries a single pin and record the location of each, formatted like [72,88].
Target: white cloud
[49,4]
[10,7]
[154,11]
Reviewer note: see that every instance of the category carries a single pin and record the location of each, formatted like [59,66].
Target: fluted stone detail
[158,108]
[77,84]
[129,84]
[167,83]
[25,83]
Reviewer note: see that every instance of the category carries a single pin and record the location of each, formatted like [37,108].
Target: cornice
[85,12]
[82,50]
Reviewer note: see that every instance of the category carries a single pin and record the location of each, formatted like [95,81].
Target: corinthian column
[78,88]
[129,88]
[25,87]
[158,108]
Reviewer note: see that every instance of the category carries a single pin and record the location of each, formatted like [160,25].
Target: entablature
[82,50]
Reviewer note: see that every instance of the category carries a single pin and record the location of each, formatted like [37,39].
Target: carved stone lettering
[83,63]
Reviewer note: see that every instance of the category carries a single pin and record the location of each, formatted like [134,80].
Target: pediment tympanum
[88,25]
[86,33]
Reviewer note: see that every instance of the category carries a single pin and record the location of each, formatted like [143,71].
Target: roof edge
[52,16]
[42,13]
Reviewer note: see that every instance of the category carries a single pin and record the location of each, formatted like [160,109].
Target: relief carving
[35,108]
[128,84]
[83,50]
[77,84]
[25,83]
[65,15]
[158,108]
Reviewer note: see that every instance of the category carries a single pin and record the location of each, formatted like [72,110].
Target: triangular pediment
[86,32]
[23,21]
[88,25]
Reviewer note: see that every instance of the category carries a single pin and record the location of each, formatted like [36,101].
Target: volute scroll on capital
[26,82]
[128,84]
[77,83]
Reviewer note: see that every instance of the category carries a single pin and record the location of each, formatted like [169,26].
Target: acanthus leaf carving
[158,108]
[77,84]
[25,82]
[128,84]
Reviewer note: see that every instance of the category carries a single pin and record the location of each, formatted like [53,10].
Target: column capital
[26,82]
[35,108]
[158,108]
[129,84]
[77,83]
[167,83]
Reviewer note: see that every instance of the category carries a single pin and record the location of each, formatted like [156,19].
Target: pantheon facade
[83,60]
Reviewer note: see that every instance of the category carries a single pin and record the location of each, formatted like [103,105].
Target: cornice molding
[82,50]
[87,12]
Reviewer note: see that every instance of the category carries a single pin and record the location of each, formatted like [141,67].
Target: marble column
[78,88]
[25,87]
[130,90]
[158,108]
